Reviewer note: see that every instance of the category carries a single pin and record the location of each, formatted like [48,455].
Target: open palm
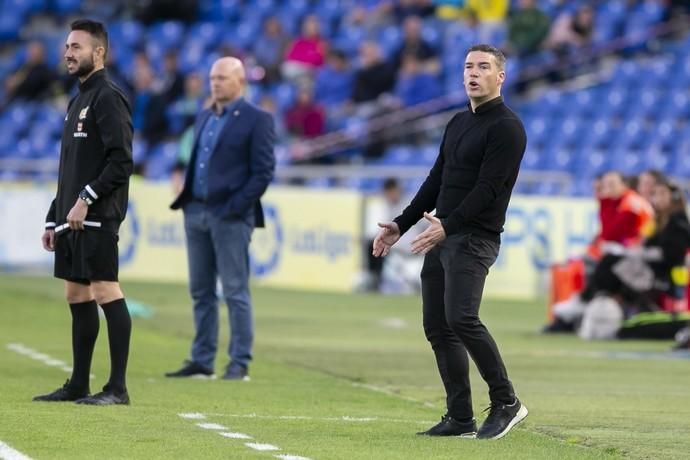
[388,235]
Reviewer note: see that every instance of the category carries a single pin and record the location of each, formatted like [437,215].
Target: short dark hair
[492,50]
[95,29]
[390,183]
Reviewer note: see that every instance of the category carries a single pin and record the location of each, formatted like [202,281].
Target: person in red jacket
[625,216]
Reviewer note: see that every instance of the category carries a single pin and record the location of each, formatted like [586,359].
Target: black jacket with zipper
[96,154]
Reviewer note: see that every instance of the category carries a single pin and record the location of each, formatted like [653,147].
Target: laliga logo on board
[264,252]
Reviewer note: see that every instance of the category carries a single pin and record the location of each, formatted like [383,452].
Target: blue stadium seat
[532,160]
[208,33]
[139,151]
[10,25]
[329,10]
[349,38]
[390,39]
[167,34]
[400,155]
[161,161]
[66,6]
[230,10]
[284,95]
[128,33]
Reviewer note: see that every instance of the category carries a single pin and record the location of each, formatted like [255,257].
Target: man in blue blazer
[231,165]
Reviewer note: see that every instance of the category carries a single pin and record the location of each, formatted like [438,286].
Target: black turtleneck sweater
[96,154]
[473,177]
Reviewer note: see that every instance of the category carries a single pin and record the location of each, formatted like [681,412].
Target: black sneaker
[191,369]
[448,426]
[502,417]
[558,326]
[66,393]
[236,372]
[107,397]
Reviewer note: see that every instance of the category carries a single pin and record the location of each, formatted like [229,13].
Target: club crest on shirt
[82,114]
[80,126]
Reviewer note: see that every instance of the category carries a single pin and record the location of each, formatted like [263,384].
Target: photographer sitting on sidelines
[638,275]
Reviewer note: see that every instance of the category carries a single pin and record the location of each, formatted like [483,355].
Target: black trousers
[453,278]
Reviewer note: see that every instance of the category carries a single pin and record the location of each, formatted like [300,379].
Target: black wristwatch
[84,195]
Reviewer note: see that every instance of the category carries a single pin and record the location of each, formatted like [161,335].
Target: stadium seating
[634,119]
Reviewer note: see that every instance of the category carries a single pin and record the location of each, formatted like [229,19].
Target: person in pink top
[306,53]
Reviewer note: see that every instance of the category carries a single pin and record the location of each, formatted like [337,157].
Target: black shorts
[82,256]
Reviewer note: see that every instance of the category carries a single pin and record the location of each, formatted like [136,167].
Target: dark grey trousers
[453,278]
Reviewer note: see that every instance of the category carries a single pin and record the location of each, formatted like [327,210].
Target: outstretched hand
[430,237]
[386,238]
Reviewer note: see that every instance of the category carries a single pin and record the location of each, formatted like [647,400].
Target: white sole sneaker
[519,417]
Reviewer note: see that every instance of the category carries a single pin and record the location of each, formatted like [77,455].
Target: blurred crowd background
[367,85]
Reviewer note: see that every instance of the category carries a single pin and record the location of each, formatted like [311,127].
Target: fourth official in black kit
[469,186]
[84,218]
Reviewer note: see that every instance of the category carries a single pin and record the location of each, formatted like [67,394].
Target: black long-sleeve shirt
[473,177]
[96,154]
[673,241]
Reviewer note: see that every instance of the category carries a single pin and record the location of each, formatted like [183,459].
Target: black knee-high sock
[119,331]
[84,333]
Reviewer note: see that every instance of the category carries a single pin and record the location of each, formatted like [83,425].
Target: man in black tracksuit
[85,216]
[469,186]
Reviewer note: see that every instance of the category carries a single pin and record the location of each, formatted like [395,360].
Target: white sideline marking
[231,435]
[261,447]
[8,453]
[211,426]
[388,392]
[193,416]
[345,418]
[36,356]
[394,323]
[235,435]
[40,357]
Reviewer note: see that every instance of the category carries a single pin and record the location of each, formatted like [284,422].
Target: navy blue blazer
[241,165]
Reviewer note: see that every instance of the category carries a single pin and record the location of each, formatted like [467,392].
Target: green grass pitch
[334,377]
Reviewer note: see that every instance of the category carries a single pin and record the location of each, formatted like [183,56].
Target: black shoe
[107,397]
[236,372]
[66,393]
[558,326]
[502,417]
[191,369]
[448,426]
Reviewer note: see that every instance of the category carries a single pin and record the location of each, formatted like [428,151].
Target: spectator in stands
[403,9]
[646,182]
[184,110]
[375,76]
[148,111]
[269,49]
[268,104]
[491,16]
[305,119]
[637,275]
[307,53]
[572,31]
[414,45]
[528,26]
[171,84]
[150,11]
[117,76]
[415,84]
[334,81]
[34,79]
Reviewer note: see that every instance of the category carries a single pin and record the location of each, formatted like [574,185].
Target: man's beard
[85,68]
